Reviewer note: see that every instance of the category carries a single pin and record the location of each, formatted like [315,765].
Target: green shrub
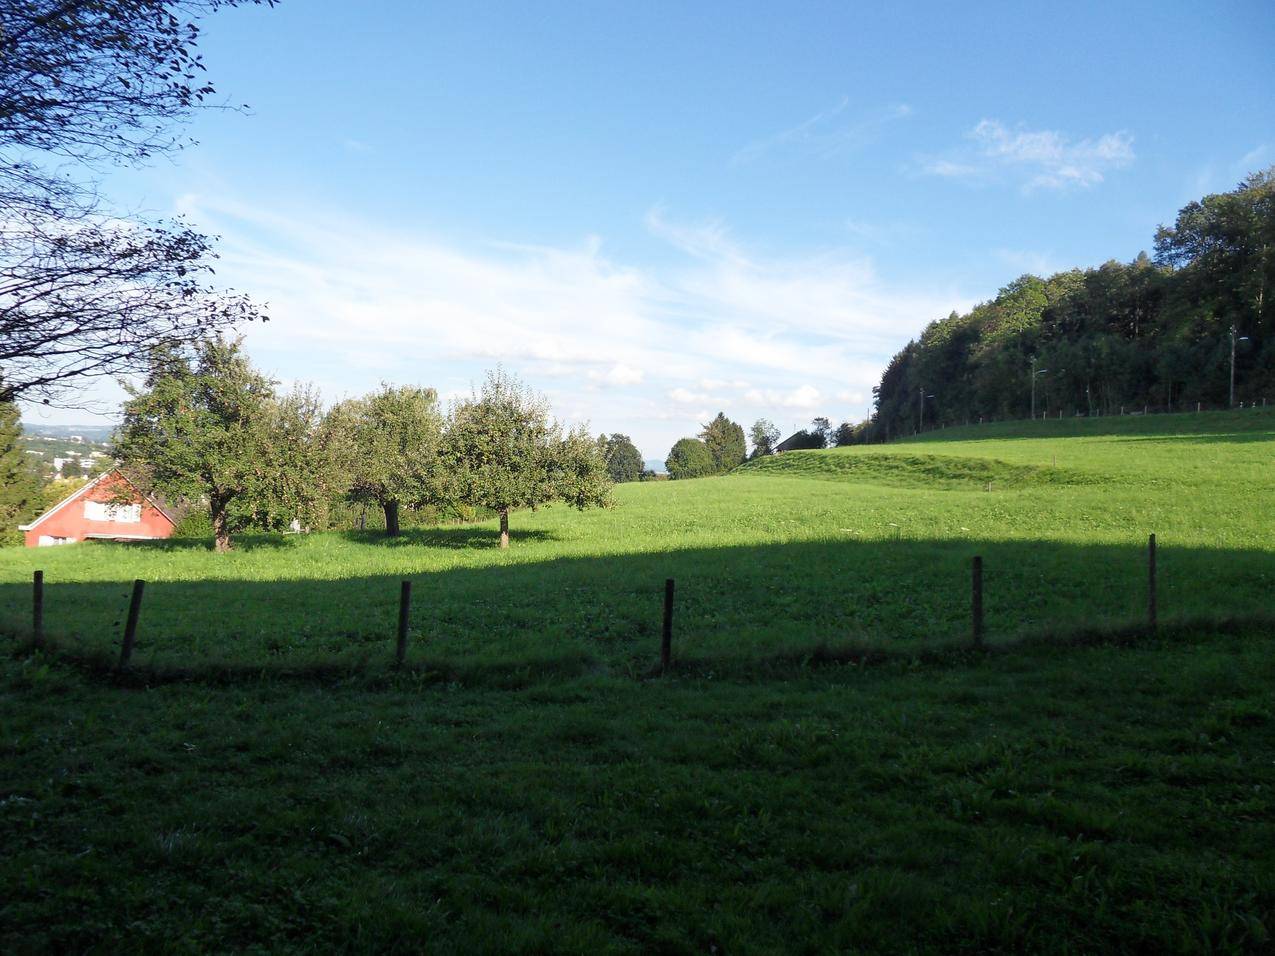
[196,523]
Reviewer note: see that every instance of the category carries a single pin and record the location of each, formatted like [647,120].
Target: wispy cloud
[1220,176]
[1255,159]
[1039,159]
[644,349]
[826,134]
[1025,260]
[882,233]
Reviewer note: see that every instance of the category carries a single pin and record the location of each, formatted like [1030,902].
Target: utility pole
[1034,374]
[1242,338]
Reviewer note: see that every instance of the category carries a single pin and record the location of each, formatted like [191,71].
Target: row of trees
[721,445]
[207,427]
[1158,331]
[820,434]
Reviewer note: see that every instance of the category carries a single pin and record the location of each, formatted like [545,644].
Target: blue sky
[654,211]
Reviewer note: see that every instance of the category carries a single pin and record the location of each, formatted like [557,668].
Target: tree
[20,498]
[208,426]
[821,429]
[82,291]
[107,78]
[724,440]
[689,458]
[1226,242]
[301,470]
[623,460]
[390,442]
[58,489]
[765,436]
[502,451]
[89,300]
[846,434]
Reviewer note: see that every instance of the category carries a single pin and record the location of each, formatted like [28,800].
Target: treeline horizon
[1156,332]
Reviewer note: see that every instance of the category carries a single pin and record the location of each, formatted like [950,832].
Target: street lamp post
[920,414]
[1242,338]
[1035,372]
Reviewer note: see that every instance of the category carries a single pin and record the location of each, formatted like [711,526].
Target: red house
[110,507]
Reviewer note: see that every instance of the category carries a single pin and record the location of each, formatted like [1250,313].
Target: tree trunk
[221,526]
[391,518]
[504,528]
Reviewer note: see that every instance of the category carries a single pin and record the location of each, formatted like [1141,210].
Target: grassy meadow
[808,552]
[265,780]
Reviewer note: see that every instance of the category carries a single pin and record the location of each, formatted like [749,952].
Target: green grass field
[265,778]
[795,554]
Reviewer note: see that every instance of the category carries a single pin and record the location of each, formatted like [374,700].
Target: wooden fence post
[130,626]
[666,637]
[37,608]
[1152,610]
[976,599]
[404,614]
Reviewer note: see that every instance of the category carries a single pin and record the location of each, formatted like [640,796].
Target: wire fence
[398,638]
[1072,413]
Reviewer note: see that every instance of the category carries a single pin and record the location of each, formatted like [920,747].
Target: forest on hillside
[1155,333]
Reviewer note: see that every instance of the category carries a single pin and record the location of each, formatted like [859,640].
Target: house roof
[90,486]
[786,444]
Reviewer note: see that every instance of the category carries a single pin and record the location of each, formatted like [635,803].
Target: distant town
[60,452]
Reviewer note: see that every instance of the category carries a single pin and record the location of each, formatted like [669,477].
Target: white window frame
[109,511]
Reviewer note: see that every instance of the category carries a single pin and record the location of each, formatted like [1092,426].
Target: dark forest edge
[1161,332]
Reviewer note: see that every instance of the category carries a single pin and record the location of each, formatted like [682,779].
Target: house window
[108,511]
[49,539]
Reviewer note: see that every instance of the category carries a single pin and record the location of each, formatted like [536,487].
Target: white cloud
[1042,159]
[618,375]
[684,396]
[820,316]
[651,351]
[803,397]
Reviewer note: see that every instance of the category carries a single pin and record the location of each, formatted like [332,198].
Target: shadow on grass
[739,611]
[239,542]
[468,537]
